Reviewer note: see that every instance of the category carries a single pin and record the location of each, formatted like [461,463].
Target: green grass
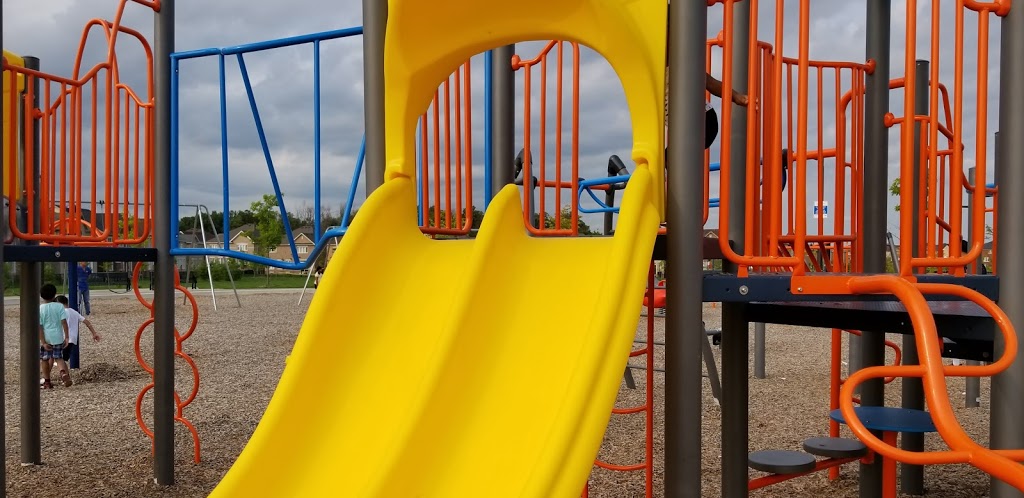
[259,282]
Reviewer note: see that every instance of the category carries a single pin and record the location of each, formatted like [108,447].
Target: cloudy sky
[282,81]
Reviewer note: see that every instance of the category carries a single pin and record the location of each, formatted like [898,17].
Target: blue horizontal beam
[269,44]
[295,264]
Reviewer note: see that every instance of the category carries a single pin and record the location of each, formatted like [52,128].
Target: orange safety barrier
[71,176]
[547,177]
[780,121]
[1001,464]
[955,261]
[179,338]
[446,158]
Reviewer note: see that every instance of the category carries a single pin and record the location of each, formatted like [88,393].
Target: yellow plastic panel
[427,40]
[10,118]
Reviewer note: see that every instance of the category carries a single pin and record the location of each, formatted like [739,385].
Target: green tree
[269,227]
[894,189]
[566,222]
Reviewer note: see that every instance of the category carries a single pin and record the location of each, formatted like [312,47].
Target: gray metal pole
[31,442]
[1007,403]
[876,168]
[375,20]
[684,376]
[503,118]
[163,287]
[912,476]
[609,199]
[972,388]
[759,363]
[31,275]
[735,325]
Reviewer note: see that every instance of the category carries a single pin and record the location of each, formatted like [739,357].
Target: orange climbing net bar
[446,158]
[179,339]
[94,149]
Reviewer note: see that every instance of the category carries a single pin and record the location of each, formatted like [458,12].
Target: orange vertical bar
[821,147]
[458,148]
[447,153]
[468,154]
[558,137]
[437,159]
[424,169]
[575,134]
[542,172]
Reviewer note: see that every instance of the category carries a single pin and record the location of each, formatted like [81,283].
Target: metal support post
[163,287]
[684,376]
[912,476]
[503,118]
[1007,403]
[375,20]
[875,202]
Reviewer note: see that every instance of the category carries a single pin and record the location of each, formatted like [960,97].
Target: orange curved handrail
[999,463]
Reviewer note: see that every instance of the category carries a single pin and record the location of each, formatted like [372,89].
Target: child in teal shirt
[53,335]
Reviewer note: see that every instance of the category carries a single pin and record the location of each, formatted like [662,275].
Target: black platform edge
[727,287]
[960,322]
[710,248]
[835,447]
[781,461]
[50,254]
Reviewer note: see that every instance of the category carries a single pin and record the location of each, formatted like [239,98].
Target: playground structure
[809,274]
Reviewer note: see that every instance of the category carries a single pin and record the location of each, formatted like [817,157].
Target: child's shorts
[68,350]
[57,353]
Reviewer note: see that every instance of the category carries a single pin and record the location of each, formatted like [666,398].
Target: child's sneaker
[65,377]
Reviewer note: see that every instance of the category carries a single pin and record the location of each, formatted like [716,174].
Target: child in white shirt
[74,319]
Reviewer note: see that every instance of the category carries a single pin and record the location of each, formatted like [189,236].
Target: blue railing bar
[488,103]
[266,154]
[252,258]
[174,151]
[354,185]
[194,54]
[223,148]
[316,137]
[270,44]
[585,186]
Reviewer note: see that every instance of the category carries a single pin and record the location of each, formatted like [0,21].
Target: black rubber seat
[835,447]
[781,461]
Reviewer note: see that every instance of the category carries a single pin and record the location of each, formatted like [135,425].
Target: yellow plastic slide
[483,367]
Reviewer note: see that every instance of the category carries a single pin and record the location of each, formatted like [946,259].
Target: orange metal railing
[549,170]
[956,260]
[789,92]
[87,164]
[446,158]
